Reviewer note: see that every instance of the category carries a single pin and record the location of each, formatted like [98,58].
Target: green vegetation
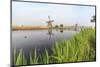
[21,59]
[61,25]
[33,60]
[56,26]
[81,47]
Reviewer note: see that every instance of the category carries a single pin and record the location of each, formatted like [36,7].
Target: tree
[56,26]
[61,25]
[93,19]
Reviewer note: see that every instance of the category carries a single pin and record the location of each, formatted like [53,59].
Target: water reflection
[50,33]
[61,30]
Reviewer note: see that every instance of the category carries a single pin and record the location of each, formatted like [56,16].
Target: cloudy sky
[29,13]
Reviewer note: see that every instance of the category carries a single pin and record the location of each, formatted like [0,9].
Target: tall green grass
[33,60]
[81,47]
[21,59]
[78,48]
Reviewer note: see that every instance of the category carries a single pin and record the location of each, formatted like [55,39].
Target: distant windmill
[50,22]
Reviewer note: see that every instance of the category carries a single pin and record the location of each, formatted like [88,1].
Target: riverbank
[15,28]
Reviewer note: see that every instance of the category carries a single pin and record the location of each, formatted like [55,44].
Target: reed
[21,59]
[33,60]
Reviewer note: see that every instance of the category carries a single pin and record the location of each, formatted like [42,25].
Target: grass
[33,60]
[78,48]
[81,47]
[21,59]
[41,59]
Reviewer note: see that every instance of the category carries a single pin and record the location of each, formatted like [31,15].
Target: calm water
[39,39]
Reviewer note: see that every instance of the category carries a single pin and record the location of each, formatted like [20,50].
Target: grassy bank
[81,47]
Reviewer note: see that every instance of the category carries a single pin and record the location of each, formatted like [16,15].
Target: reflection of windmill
[50,33]
[50,22]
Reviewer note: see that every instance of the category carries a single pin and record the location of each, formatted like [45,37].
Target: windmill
[50,22]
[50,27]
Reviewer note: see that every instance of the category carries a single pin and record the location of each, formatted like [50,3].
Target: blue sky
[26,13]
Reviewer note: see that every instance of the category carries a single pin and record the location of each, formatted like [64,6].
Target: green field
[81,47]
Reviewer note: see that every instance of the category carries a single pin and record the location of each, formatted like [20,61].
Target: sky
[36,14]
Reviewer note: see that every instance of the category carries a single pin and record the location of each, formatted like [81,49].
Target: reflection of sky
[26,13]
